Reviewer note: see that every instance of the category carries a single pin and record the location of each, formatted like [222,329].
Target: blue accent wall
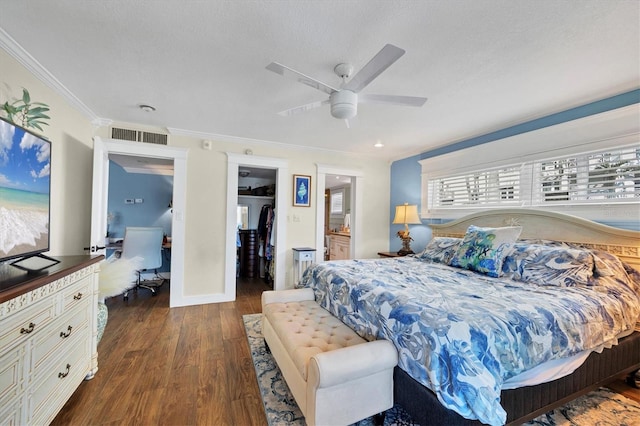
[406,173]
[406,183]
[155,191]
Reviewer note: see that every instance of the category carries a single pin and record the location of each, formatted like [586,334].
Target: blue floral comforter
[462,334]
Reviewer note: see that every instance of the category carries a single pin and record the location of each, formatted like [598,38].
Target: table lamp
[406,214]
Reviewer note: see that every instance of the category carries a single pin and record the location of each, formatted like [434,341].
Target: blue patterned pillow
[484,249]
[546,265]
[440,249]
[604,263]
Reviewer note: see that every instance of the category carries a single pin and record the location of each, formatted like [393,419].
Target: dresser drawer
[11,414]
[26,323]
[52,390]
[306,256]
[11,375]
[77,294]
[67,330]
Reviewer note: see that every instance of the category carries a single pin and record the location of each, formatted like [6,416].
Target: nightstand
[389,254]
[303,257]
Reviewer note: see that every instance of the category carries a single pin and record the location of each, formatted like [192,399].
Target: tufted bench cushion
[335,376]
[306,329]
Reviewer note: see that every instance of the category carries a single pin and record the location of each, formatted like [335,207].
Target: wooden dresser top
[15,282]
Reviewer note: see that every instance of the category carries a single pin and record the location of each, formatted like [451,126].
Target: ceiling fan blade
[392,99]
[300,78]
[303,108]
[383,60]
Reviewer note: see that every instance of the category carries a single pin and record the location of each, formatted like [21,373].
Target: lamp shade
[406,214]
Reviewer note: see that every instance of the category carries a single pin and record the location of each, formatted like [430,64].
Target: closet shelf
[257,197]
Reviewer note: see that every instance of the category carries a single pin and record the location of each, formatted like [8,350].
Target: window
[337,201]
[602,177]
[489,187]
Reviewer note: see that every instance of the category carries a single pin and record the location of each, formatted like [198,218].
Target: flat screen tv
[25,187]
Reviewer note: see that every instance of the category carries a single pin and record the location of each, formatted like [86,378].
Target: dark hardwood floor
[180,366]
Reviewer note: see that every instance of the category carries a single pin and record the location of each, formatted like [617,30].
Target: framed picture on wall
[301,191]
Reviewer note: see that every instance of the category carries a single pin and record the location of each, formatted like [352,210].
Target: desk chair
[145,244]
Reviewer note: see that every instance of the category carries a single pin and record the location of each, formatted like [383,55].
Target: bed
[505,315]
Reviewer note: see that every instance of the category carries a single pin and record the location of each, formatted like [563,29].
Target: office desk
[118,246]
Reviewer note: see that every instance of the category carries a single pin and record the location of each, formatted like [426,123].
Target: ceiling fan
[344,101]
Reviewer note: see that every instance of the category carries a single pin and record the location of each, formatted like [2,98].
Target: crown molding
[8,44]
[102,122]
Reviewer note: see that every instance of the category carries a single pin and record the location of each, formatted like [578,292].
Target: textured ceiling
[482,64]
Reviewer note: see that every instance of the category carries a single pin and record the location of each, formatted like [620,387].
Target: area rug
[601,407]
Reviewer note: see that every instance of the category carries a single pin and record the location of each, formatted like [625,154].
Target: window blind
[489,187]
[602,177]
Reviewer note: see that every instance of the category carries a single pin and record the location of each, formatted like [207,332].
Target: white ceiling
[145,165]
[482,64]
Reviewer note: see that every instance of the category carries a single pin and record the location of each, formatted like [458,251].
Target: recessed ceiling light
[146,108]
[378,144]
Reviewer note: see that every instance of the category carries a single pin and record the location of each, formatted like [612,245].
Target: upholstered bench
[336,377]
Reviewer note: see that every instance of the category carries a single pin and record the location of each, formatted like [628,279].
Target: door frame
[281,166]
[356,205]
[102,149]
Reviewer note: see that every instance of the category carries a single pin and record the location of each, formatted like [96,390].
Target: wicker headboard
[552,226]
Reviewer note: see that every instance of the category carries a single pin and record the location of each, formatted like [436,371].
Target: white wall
[206,215]
[70,133]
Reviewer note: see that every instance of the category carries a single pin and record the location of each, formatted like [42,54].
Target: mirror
[243,216]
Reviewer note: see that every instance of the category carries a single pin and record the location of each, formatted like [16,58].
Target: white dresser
[48,337]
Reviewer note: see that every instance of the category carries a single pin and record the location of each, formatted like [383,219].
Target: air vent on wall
[139,136]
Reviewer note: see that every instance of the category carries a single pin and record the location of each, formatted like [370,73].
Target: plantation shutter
[602,177]
[483,188]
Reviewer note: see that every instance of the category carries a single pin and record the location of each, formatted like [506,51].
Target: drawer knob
[77,296]
[67,334]
[23,330]
[66,373]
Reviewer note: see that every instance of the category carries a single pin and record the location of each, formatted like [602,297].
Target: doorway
[337,217]
[324,172]
[103,148]
[140,195]
[255,224]
[282,194]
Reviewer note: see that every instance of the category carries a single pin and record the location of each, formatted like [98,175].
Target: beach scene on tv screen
[25,162]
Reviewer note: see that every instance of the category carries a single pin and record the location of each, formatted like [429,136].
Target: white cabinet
[340,247]
[48,340]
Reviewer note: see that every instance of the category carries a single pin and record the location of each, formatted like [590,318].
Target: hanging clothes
[262,221]
[265,234]
[268,247]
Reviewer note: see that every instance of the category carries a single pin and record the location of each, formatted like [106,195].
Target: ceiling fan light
[344,104]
